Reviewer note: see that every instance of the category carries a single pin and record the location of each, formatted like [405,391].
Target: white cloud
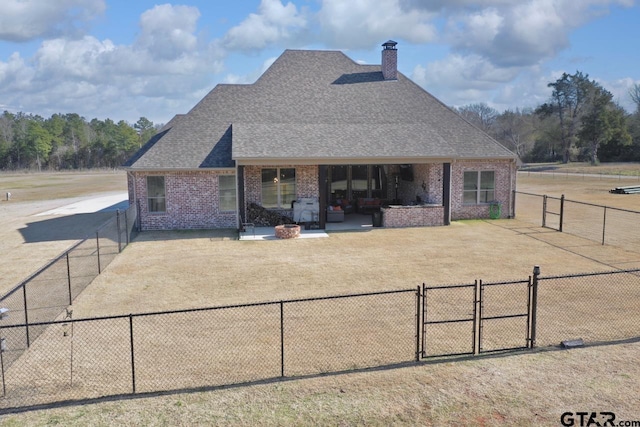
[620,88]
[15,77]
[71,59]
[461,80]
[27,20]
[167,61]
[489,50]
[521,33]
[499,47]
[168,32]
[436,5]
[252,76]
[465,72]
[358,24]
[274,23]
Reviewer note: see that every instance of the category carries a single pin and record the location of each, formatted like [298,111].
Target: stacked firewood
[262,217]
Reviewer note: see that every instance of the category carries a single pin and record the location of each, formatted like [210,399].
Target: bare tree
[479,114]
[516,130]
[634,93]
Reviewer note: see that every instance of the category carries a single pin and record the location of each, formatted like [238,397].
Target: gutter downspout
[513,172]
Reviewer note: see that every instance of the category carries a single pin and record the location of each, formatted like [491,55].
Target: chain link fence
[46,294]
[193,349]
[599,223]
[202,348]
[593,307]
[484,317]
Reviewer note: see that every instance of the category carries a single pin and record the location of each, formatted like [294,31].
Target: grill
[306,210]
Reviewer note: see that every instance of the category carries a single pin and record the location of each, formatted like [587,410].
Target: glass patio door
[354,181]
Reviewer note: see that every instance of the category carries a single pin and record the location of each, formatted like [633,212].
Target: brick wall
[191,201]
[192,197]
[505,175]
[426,184]
[413,216]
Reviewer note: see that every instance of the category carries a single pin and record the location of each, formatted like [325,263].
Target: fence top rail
[602,206]
[222,307]
[528,194]
[468,285]
[578,202]
[108,222]
[56,259]
[506,282]
[41,270]
[601,273]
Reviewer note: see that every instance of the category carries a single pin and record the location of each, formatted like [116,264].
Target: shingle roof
[316,105]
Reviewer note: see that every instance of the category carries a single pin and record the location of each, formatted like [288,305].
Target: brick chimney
[390,60]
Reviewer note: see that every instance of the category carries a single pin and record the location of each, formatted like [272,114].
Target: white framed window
[278,187]
[479,187]
[227,193]
[156,197]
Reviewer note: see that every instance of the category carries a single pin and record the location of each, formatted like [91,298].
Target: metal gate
[477,318]
[504,316]
[449,316]
[552,212]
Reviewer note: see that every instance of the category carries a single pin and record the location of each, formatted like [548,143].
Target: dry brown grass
[27,241]
[613,168]
[194,269]
[36,187]
[531,389]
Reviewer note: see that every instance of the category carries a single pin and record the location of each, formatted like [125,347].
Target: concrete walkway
[109,203]
[268,233]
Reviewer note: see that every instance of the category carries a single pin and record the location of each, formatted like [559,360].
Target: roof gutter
[168,169]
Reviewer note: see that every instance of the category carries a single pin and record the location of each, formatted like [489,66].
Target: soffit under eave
[168,169]
[341,161]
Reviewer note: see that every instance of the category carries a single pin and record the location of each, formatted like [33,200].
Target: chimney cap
[389,44]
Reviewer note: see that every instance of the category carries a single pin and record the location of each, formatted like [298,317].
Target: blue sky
[128,59]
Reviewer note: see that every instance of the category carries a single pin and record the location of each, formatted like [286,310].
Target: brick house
[318,125]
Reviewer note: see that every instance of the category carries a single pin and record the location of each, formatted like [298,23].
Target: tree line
[68,141]
[579,122]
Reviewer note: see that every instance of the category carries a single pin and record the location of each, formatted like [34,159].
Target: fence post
[98,249]
[26,314]
[604,224]
[69,279]
[133,363]
[119,232]
[544,210]
[534,305]
[477,319]
[282,338]
[4,386]
[126,226]
[418,325]
[424,320]
[529,291]
[561,212]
